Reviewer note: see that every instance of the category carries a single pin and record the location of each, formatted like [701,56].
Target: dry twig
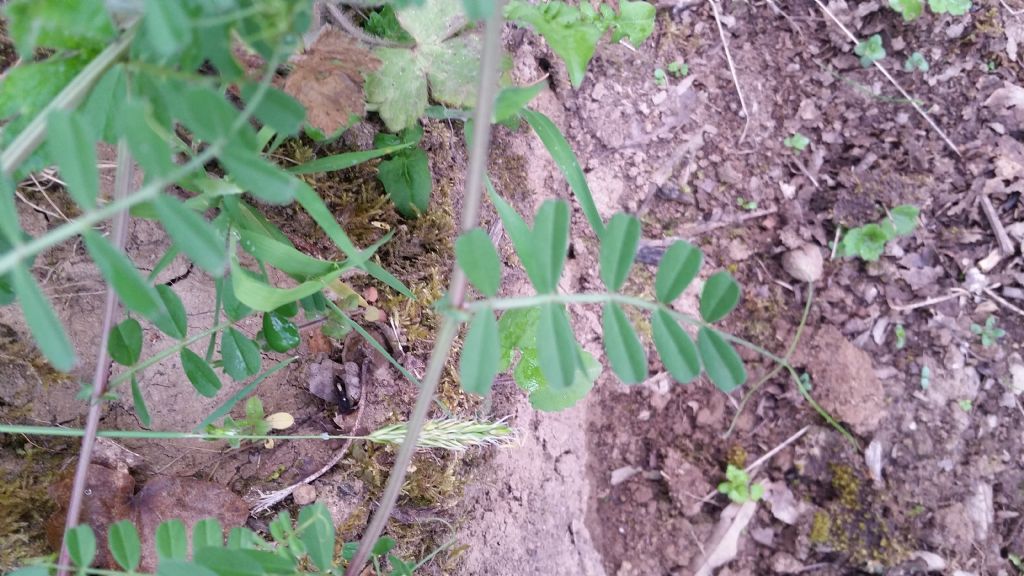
[732,69]
[1005,244]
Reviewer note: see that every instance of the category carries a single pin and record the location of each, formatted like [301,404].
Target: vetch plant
[870,50]
[915,61]
[990,333]
[738,488]
[797,142]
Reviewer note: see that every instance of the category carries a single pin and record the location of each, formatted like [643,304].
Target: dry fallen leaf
[328,80]
[724,542]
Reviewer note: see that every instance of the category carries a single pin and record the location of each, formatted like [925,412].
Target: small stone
[1017,378]
[304,495]
[933,562]
[783,563]
[659,98]
[620,475]
[804,263]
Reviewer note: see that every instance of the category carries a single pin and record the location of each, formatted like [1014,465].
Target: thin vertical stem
[490,63]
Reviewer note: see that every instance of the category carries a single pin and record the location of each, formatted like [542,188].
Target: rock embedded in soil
[304,495]
[804,263]
[843,379]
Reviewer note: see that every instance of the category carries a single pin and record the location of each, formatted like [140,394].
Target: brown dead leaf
[328,80]
[724,543]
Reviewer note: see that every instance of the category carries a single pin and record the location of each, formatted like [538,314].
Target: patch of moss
[737,456]
[821,527]
[26,472]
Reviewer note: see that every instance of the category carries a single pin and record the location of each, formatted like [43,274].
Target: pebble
[804,263]
[304,495]
[1017,378]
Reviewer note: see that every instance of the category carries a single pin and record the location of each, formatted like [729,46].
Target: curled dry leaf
[328,80]
[723,545]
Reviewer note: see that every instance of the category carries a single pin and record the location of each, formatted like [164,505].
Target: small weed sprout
[660,78]
[1017,562]
[678,69]
[748,205]
[870,50]
[797,142]
[926,377]
[868,241]
[965,404]
[737,486]
[915,61]
[901,336]
[990,334]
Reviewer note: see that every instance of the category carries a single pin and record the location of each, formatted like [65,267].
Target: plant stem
[490,64]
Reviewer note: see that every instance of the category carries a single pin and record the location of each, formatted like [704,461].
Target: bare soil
[617,484]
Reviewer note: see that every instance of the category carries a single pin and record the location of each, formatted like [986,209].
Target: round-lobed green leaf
[123,541]
[679,266]
[281,333]
[723,365]
[720,295]
[479,260]
[241,355]
[125,343]
[481,354]
[199,373]
[675,347]
[81,544]
[618,249]
[623,347]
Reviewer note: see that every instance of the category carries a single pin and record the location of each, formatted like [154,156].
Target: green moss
[821,528]
[26,472]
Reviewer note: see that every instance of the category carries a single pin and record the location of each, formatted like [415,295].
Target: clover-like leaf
[870,50]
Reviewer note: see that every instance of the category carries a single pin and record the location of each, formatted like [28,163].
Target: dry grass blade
[732,69]
[911,99]
[328,80]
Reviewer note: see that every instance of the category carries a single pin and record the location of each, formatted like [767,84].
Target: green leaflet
[623,347]
[317,533]
[675,347]
[722,363]
[557,350]
[139,402]
[720,295]
[206,533]
[199,373]
[551,239]
[406,178]
[125,343]
[479,260]
[241,356]
[171,540]
[618,249]
[679,266]
[480,357]
[123,541]
[81,544]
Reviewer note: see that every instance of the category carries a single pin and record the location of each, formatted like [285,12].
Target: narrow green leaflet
[563,155]
[74,150]
[171,567]
[284,257]
[207,533]
[720,295]
[282,335]
[241,356]
[171,540]
[277,110]
[909,9]
[149,149]
[58,24]
[266,181]
[407,180]
[346,160]
[193,234]
[623,347]
[263,297]
[513,99]
[557,350]
[518,232]
[676,348]
[243,539]
[81,544]
[480,357]
[479,260]
[125,343]
[722,363]
[122,274]
[234,309]
[618,249]
[551,238]
[679,266]
[199,373]
[316,530]
[123,541]
[167,27]
[140,403]
[175,324]
[42,321]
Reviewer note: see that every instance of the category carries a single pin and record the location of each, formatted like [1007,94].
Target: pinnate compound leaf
[479,260]
[623,347]
[42,320]
[125,343]
[119,272]
[139,402]
[909,9]
[551,237]
[557,350]
[722,363]
[193,234]
[406,178]
[281,333]
[618,249]
[81,544]
[478,362]
[676,348]
[720,295]
[171,540]
[73,148]
[241,355]
[199,373]
[328,80]
[317,534]
[954,7]
[123,541]
[679,266]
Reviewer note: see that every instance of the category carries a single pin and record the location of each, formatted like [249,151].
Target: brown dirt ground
[951,453]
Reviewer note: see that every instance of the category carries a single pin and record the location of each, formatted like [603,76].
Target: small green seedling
[901,336]
[870,50]
[868,241]
[748,205]
[915,61]
[805,382]
[989,333]
[679,69]
[1017,562]
[737,486]
[660,78]
[797,142]
[255,423]
[965,405]
[926,377]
